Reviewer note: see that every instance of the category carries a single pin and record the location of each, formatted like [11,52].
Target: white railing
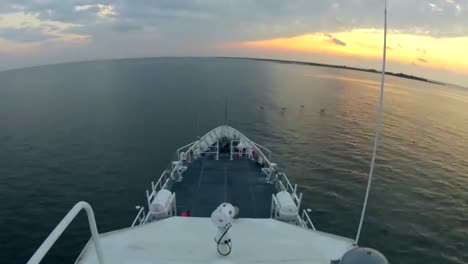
[188,147]
[265,149]
[57,232]
[285,185]
[266,160]
[305,220]
[169,175]
[274,207]
[141,216]
[205,145]
[254,148]
[162,183]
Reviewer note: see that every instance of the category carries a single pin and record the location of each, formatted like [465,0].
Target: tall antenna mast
[198,123]
[378,126]
[226,111]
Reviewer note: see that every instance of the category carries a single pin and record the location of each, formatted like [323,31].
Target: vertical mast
[226,111]
[378,126]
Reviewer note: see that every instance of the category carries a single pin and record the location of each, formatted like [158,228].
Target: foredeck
[222,166]
[190,240]
[209,182]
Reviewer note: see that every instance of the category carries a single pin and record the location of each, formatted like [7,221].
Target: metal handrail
[186,146]
[266,149]
[140,216]
[57,232]
[306,218]
[288,183]
[263,152]
[160,183]
[289,188]
[274,206]
[193,145]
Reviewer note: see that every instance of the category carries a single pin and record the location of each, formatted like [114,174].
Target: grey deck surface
[207,183]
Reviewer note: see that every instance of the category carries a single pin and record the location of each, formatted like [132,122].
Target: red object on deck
[186,213]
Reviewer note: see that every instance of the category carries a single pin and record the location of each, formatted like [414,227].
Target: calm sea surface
[101,131]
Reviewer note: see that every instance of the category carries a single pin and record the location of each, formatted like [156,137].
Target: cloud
[8,47]
[422,60]
[459,9]
[334,40]
[444,52]
[25,33]
[338,42]
[243,19]
[52,29]
[420,50]
[435,8]
[102,11]
[126,28]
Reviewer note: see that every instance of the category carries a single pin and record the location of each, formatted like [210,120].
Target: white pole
[148,198]
[378,127]
[231,149]
[217,150]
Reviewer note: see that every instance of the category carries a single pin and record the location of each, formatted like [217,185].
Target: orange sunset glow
[421,50]
[425,38]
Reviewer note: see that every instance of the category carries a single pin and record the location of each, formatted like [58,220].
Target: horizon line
[284,61]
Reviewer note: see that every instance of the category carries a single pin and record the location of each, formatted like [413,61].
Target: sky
[428,38]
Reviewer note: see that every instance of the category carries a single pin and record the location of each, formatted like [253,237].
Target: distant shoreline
[400,75]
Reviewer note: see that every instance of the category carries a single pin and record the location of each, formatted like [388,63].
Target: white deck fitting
[191,240]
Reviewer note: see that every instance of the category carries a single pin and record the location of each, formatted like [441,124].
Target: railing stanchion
[231,149]
[148,199]
[140,216]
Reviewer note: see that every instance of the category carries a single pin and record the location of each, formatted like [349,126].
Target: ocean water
[101,131]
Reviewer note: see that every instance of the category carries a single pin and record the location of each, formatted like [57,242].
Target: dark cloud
[250,20]
[334,40]
[338,42]
[422,60]
[423,51]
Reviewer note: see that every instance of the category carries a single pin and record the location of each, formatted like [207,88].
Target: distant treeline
[401,75]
